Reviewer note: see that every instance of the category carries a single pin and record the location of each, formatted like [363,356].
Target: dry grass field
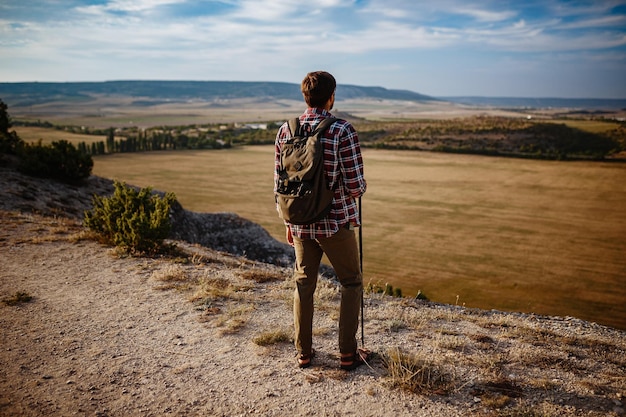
[31,134]
[496,233]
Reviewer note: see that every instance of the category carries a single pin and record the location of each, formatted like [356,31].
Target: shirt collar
[317,111]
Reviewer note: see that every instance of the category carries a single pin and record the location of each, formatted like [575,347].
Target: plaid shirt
[343,165]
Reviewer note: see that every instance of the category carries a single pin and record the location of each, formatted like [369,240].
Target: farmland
[494,233]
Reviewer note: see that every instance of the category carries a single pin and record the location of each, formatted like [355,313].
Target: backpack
[302,192]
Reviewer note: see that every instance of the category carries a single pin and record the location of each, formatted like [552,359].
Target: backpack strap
[324,124]
[294,126]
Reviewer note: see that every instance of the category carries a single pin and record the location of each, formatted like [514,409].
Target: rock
[227,232]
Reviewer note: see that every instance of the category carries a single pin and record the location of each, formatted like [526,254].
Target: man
[333,235]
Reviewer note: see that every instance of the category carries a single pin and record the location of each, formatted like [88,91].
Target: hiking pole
[361,266]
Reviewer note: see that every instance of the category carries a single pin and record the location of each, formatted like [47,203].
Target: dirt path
[99,338]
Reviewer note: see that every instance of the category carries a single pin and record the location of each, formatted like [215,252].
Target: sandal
[304,359]
[354,360]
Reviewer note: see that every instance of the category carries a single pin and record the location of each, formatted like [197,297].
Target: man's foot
[304,359]
[350,361]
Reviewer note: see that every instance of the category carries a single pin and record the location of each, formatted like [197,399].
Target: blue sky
[534,48]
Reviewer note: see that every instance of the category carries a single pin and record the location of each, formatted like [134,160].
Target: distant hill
[31,93]
[540,102]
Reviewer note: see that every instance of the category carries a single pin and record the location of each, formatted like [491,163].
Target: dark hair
[317,88]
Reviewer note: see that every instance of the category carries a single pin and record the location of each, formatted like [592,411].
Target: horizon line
[461,96]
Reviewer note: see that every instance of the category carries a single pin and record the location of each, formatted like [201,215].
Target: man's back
[343,166]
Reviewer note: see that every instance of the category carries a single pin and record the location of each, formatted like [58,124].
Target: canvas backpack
[302,192]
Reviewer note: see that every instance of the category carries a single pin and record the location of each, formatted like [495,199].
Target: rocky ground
[207,331]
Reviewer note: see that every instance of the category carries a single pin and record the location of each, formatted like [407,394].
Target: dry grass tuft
[416,373]
[450,340]
[234,319]
[494,400]
[38,230]
[216,287]
[272,338]
[327,297]
[82,235]
[173,276]
[394,325]
[262,276]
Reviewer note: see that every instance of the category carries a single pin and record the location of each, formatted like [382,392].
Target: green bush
[61,161]
[137,221]
[388,289]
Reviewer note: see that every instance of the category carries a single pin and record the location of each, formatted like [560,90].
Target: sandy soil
[100,338]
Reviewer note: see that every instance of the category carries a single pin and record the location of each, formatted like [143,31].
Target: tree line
[486,135]
[134,139]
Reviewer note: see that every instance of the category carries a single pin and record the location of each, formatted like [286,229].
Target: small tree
[61,160]
[137,221]
[110,145]
[9,141]
[5,119]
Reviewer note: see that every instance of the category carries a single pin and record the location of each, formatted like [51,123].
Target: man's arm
[351,162]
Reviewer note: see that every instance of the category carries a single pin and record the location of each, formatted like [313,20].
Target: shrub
[137,221]
[9,141]
[61,161]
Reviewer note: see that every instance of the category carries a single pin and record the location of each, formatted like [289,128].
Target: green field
[495,233]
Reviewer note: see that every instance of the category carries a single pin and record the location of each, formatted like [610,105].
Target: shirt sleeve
[351,162]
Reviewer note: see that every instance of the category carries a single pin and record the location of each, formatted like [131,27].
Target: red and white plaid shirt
[343,165]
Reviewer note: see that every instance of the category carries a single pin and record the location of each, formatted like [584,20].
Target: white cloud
[265,11]
[483,15]
[385,35]
[128,6]
[589,8]
[244,31]
[596,22]
[386,10]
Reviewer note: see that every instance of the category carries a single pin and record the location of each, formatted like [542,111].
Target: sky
[442,48]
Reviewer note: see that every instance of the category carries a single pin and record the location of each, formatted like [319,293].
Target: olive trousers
[343,253]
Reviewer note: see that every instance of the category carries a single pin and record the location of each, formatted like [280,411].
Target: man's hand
[289,236]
